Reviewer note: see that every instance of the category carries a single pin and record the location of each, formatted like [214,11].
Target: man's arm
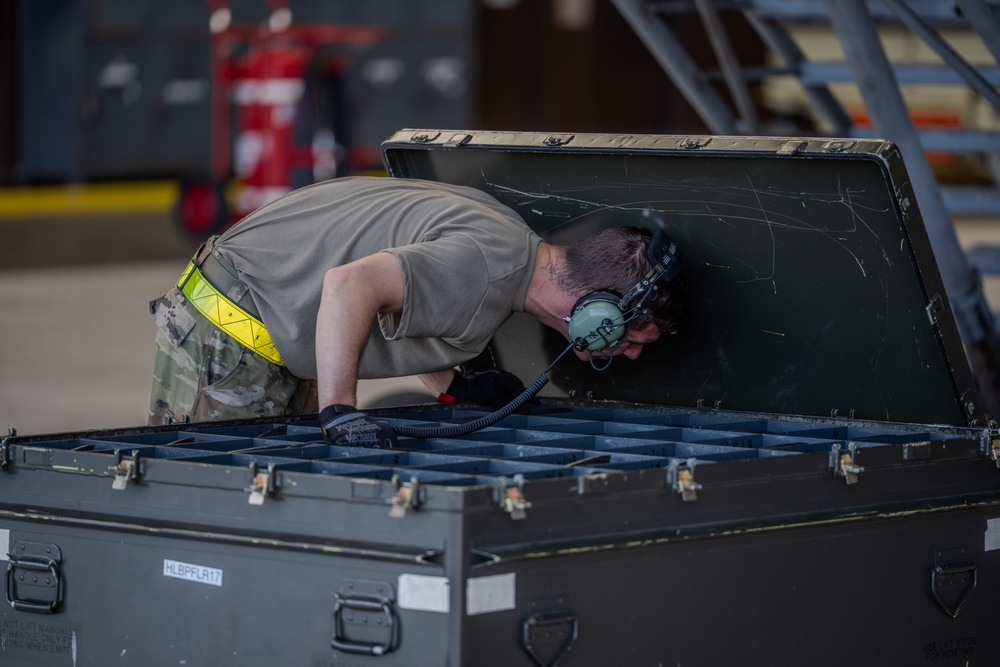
[494,388]
[353,295]
[438,383]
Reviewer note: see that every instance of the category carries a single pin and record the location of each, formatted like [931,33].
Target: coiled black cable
[456,430]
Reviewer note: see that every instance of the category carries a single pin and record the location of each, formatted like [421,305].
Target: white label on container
[484,595]
[4,543]
[992,534]
[196,573]
[423,593]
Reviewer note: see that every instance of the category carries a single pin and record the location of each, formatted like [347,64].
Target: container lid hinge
[791,147]
[843,463]
[694,143]
[511,497]
[406,497]
[838,146]
[558,139]
[125,470]
[458,140]
[680,478]
[424,137]
[262,484]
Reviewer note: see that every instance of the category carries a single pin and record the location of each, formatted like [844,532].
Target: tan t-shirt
[467,260]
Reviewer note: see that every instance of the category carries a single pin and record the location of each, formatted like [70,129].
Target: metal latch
[125,470]
[842,462]
[262,484]
[34,582]
[406,497]
[511,498]
[680,478]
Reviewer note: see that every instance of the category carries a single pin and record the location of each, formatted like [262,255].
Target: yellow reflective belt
[227,316]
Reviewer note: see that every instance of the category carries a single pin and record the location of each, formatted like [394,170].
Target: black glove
[345,426]
[493,388]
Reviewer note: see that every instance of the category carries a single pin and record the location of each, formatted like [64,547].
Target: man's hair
[615,259]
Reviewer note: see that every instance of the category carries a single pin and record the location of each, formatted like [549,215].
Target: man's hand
[345,426]
[494,388]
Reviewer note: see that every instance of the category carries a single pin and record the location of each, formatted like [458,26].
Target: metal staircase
[724,98]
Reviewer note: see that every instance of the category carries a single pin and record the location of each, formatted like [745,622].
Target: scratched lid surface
[811,284]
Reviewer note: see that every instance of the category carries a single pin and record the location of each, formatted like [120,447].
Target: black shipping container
[803,476]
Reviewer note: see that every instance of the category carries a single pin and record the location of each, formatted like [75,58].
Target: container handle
[29,565]
[341,643]
[546,628]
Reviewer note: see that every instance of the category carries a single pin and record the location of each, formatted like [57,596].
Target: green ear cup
[598,320]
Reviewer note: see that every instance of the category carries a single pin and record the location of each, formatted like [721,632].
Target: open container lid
[811,283]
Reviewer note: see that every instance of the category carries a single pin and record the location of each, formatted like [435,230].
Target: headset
[601,319]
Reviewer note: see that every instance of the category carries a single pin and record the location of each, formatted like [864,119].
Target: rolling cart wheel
[201,208]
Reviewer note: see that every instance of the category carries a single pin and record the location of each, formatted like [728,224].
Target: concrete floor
[76,336]
[77,339]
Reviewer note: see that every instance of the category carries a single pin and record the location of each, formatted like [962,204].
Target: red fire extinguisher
[267,96]
[259,80]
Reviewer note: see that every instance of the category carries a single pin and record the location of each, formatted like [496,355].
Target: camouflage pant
[201,374]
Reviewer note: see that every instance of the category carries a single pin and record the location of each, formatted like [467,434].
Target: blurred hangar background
[132,129]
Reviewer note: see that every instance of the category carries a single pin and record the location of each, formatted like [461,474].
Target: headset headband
[665,261]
